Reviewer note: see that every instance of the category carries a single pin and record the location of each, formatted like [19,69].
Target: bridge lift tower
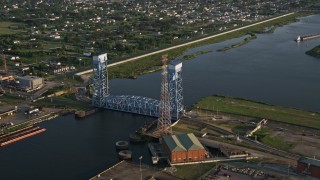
[175,89]
[164,121]
[100,80]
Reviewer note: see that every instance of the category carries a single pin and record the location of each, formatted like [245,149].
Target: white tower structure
[100,80]
[175,89]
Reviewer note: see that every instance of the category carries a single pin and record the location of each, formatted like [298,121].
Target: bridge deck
[133,104]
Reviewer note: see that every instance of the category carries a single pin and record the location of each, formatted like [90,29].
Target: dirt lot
[306,140]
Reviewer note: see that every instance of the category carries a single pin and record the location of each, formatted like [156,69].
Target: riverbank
[243,107]
[245,41]
[143,64]
[315,52]
[24,122]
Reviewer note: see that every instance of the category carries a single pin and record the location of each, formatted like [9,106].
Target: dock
[156,152]
[131,170]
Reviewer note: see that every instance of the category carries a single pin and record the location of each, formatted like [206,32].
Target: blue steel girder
[133,104]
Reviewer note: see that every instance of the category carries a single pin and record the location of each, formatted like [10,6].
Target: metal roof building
[183,148]
[309,166]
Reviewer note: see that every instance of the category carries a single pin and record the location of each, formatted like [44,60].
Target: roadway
[187,43]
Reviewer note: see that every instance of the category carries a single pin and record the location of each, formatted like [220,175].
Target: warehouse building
[183,148]
[30,83]
[309,166]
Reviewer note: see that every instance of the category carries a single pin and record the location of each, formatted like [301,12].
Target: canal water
[272,68]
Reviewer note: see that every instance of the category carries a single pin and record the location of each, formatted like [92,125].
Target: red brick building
[309,166]
[183,148]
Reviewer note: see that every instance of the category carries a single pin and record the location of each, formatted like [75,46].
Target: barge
[307,37]
[19,135]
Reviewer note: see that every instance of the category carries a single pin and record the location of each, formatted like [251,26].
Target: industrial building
[183,148]
[8,113]
[309,166]
[30,83]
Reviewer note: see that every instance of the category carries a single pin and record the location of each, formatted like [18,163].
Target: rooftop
[182,142]
[306,160]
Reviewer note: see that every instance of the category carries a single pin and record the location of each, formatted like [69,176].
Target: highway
[186,44]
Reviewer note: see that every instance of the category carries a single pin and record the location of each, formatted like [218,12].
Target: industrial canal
[272,69]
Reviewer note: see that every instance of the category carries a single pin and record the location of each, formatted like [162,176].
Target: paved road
[186,44]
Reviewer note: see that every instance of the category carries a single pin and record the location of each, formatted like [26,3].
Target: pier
[130,170]
[157,152]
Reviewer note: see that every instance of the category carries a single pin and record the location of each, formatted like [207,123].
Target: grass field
[264,136]
[5,100]
[193,171]
[8,28]
[260,110]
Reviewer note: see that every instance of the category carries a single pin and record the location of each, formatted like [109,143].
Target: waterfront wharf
[131,170]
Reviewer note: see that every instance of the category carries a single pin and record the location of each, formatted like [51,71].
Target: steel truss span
[133,104]
[172,79]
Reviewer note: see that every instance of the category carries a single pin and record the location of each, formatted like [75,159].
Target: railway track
[254,143]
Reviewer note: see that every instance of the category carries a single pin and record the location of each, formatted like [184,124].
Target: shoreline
[138,67]
[250,108]
[245,41]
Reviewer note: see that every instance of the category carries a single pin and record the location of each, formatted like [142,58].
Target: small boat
[155,159]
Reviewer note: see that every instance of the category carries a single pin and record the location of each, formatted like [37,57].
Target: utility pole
[140,167]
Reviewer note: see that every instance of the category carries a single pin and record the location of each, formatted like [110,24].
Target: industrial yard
[50,69]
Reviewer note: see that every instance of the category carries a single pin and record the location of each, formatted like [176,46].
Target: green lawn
[6,99]
[193,171]
[274,141]
[260,110]
[8,28]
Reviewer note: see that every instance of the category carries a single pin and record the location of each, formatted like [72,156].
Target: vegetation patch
[17,127]
[243,129]
[264,136]
[245,41]
[8,99]
[193,171]
[245,107]
[66,102]
[315,52]
[8,27]
[56,89]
